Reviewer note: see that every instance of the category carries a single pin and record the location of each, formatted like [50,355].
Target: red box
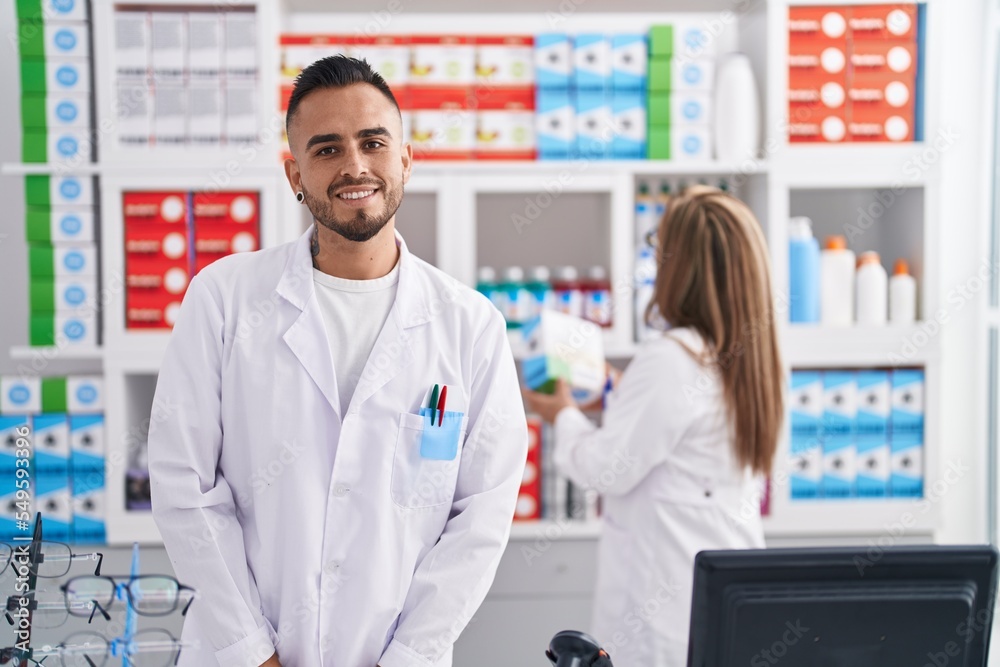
[166,242]
[818,58]
[817,24]
[225,223]
[153,274]
[880,123]
[529,505]
[883,57]
[893,91]
[155,207]
[228,207]
[817,124]
[151,310]
[894,22]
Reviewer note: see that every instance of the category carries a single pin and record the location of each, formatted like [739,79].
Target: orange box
[817,124]
[529,505]
[817,24]
[883,57]
[880,123]
[157,241]
[155,207]
[151,310]
[894,22]
[818,58]
[895,91]
[830,95]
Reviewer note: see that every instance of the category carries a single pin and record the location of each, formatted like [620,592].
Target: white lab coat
[663,460]
[374,555]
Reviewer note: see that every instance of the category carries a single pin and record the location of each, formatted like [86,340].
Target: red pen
[440,406]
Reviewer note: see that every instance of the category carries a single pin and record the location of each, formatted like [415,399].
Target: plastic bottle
[516,299]
[597,297]
[737,110]
[872,290]
[486,284]
[662,198]
[567,291]
[645,213]
[836,284]
[902,294]
[645,282]
[803,271]
[540,289]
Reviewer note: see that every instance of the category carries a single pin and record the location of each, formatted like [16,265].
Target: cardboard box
[505,60]
[629,62]
[441,125]
[55,40]
[62,261]
[54,76]
[152,275]
[241,111]
[389,55]
[79,394]
[885,22]
[555,123]
[58,191]
[529,499]
[553,61]
[693,75]
[87,445]
[170,113]
[205,45]
[595,126]
[61,224]
[817,25]
[507,134]
[658,142]
[54,500]
[89,507]
[77,329]
[817,124]
[661,41]
[591,62]
[17,508]
[20,396]
[48,295]
[16,435]
[51,443]
[230,208]
[817,93]
[442,60]
[691,142]
[894,91]
[840,467]
[564,347]
[205,120]
[907,414]
[873,434]
[152,309]
[168,42]
[877,122]
[168,207]
[240,38]
[62,146]
[135,112]
[693,41]
[681,108]
[818,59]
[840,404]
[56,111]
[907,477]
[806,466]
[628,109]
[161,242]
[39,11]
[883,57]
[805,403]
[132,43]
[215,240]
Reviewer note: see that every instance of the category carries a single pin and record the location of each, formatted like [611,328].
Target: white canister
[836,283]
[902,295]
[872,290]
[737,110]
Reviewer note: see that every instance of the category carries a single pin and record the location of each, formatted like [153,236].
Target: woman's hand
[272,661]
[548,406]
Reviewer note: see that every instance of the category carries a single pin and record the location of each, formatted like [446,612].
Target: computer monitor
[844,607]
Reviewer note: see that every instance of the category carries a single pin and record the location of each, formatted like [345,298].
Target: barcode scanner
[571,648]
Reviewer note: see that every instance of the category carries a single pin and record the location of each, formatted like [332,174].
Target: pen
[433,403]
[441,401]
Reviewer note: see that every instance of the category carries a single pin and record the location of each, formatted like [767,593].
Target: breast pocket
[427,458]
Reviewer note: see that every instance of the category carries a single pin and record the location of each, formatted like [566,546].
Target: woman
[686,434]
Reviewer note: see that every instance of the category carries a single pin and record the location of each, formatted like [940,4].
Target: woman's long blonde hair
[713,275]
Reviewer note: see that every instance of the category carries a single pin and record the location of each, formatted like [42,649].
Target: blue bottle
[803,271]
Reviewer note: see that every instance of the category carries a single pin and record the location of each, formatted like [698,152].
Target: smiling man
[346,436]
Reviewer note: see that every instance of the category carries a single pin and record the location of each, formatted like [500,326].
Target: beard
[363,225]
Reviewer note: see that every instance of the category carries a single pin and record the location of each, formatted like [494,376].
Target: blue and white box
[806,403]
[85,394]
[87,447]
[89,507]
[61,10]
[907,401]
[67,40]
[51,443]
[67,76]
[691,108]
[692,75]
[907,480]
[20,396]
[840,413]
[11,508]
[555,125]
[591,62]
[691,142]
[15,434]
[629,111]
[595,126]
[629,62]
[692,41]
[54,500]
[553,61]
[873,434]
[806,469]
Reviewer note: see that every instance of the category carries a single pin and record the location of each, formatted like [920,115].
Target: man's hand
[272,661]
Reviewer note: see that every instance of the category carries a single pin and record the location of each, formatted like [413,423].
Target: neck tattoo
[314,247]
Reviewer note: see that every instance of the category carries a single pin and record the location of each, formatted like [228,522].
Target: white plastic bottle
[836,307]
[736,109]
[872,290]
[902,294]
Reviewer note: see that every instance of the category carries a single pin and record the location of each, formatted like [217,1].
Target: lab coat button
[341,490]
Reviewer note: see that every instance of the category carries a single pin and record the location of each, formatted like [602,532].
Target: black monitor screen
[905,607]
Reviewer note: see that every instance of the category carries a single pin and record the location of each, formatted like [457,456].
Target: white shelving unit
[450,196]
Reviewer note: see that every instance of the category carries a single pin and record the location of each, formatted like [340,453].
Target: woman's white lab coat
[663,462]
[333,538]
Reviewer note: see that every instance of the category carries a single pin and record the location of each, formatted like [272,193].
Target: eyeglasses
[653,237]
[149,595]
[53,559]
[147,648]
[54,613]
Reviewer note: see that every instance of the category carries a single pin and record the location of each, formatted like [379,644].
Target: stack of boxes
[170,236]
[505,98]
[442,74]
[681,79]
[185,76]
[62,419]
[853,73]
[54,41]
[62,261]
[590,96]
[857,434]
[529,498]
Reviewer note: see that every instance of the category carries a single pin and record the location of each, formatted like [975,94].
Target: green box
[659,74]
[54,394]
[658,143]
[34,145]
[30,11]
[38,191]
[43,329]
[42,293]
[41,261]
[658,109]
[34,112]
[31,39]
[661,41]
[32,76]
[38,225]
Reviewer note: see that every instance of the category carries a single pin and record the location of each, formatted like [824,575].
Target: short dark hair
[337,71]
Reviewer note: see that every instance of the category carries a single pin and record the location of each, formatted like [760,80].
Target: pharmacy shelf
[30,169]
[638,167]
[50,353]
[858,166]
[127,527]
[548,530]
[829,347]
[854,518]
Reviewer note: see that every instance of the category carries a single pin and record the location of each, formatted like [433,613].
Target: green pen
[434,402]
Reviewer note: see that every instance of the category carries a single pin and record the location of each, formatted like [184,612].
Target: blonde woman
[687,432]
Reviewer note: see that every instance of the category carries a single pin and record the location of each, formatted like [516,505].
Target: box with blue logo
[62,145]
[691,142]
[51,443]
[54,500]
[51,75]
[629,111]
[692,75]
[13,508]
[591,62]
[85,394]
[20,395]
[806,467]
[595,126]
[59,224]
[54,40]
[553,61]
[49,11]
[56,112]
[70,328]
[88,507]
[555,125]
[806,450]
[45,191]
[907,401]
[87,448]
[62,294]
[873,434]
[63,260]
[840,405]
[907,477]
[15,436]
[629,62]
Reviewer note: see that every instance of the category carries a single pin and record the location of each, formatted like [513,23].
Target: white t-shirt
[354,312]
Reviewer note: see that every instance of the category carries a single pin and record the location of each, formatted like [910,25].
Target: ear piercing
[299,197]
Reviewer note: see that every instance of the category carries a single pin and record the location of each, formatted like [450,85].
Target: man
[324,515]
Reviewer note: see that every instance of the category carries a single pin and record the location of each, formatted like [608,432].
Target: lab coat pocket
[425,465]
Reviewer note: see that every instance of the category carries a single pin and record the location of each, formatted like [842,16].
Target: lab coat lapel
[307,337]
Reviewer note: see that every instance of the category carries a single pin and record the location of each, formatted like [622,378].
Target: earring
[299,197]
